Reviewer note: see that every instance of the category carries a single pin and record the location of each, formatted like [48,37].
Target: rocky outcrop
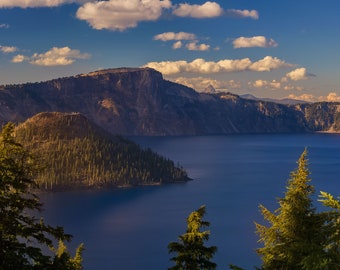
[138,101]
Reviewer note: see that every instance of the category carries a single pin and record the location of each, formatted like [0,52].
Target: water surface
[129,229]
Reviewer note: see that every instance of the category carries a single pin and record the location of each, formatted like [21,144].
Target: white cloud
[118,15]
[54,57]
[201,83]
[299,74]
[199,65]
[257,41]
[305,97]
[37,3]
[207,10]
[175,36]
[269,63]
[177,45]
[57,57]
[194,46]
[266,84]
[292,88]
[332,97]
[191,46]
[8,49]
[19,58]
[253,14]
[4,25]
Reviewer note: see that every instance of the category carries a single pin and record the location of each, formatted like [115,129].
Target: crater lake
[129,229]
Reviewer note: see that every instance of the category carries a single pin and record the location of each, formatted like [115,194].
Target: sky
[275,49]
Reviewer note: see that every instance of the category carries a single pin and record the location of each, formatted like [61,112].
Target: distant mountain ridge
[287,101]
[138,101]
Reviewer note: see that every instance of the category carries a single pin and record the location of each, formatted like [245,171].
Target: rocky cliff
[138,101]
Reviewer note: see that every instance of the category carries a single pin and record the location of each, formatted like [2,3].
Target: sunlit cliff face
[139,101]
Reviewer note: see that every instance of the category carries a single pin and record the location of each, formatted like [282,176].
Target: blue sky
[266,48]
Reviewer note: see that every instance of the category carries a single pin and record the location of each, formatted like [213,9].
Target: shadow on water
[116,225]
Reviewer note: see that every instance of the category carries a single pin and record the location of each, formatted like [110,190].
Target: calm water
[129,229]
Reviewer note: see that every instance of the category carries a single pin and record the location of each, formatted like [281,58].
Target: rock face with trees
[138,101]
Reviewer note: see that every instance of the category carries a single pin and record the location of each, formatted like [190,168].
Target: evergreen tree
[331,231]
[63,259]
[293,238]
[22,236]
[192,254]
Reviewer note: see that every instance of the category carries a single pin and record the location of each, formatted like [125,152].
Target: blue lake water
[130,229]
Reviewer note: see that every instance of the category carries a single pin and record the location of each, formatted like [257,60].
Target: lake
[129,229]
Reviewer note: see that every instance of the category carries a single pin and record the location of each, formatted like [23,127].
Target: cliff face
[133,101]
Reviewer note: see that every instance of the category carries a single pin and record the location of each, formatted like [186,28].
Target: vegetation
[297,237]
[23,237]
[294,236]
[191,252]
[77,153]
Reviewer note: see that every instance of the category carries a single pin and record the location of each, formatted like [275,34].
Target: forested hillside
[73,153]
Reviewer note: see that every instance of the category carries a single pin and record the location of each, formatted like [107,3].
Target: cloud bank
[199,65]
[331,97]
[119,15]
[201,83]
[54,57]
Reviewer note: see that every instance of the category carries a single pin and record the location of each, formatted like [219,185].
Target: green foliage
[331,229]
[192,254]
[22,235]
[64,261]
[296,236]
[76,154]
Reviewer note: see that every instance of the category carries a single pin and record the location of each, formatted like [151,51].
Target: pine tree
[22,235]
[192,254]
[331,231]
[296,236]
[293,238]
[63,259]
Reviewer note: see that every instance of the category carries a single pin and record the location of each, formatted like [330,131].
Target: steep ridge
[76,153]
[138,101]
